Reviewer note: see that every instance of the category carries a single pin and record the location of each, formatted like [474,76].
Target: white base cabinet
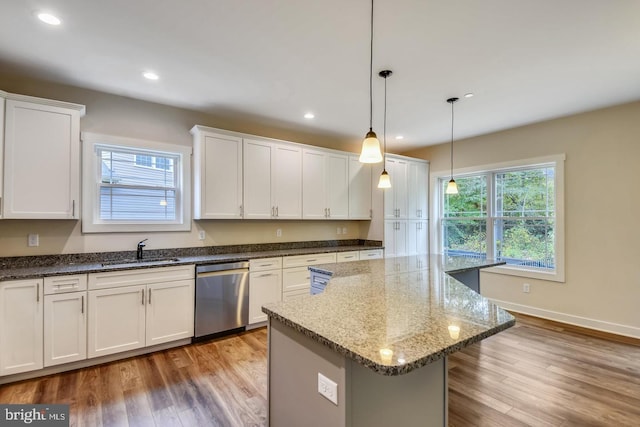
[265,286]
[143,308]
[65,328]
[21,326]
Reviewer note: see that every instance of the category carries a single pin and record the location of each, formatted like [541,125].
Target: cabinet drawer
[347,256]
[371,254]
[295,279]
[115,279]
[306,260]
[287,296]
[262,264]
[63,284]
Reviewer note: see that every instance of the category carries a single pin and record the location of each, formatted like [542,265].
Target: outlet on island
[328,388]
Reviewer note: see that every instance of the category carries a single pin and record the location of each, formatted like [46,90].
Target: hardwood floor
[538,373]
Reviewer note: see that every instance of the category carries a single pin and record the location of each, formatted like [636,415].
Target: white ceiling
[274,60]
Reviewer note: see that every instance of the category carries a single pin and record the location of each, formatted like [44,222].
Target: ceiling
[274,60]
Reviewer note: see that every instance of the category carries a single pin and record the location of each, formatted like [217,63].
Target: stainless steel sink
[140,261]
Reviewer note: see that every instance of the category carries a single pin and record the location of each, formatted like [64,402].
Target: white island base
[364,398]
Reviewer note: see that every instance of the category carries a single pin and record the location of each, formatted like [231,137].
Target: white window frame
[91,177]
[557,161]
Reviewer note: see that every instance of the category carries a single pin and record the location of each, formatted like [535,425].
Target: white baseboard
[599,325]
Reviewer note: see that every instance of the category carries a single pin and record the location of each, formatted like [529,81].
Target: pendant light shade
[385,179]
[452,187]
[371,146]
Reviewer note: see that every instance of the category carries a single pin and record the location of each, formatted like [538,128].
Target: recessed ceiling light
[150,75]
[399,137]
[309,116]
[49,18]
[468,95]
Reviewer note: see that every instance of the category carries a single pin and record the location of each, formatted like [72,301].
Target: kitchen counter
[381,332]
[404,304]
[16,268]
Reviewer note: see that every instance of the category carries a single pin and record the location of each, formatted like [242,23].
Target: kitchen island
[371,349]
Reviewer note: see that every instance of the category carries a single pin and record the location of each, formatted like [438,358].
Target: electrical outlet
[525,288]
[33,240]
[328,388]
[338,230]
[201,235]
[279,232]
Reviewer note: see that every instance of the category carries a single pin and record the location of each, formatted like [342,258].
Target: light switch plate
[328,388]
[33,240]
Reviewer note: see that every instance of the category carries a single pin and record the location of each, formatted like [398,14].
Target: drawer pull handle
[143,297]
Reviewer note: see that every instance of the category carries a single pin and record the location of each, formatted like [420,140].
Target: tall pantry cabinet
[41,176]
[406,207]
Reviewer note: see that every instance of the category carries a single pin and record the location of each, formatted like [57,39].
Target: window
[512,213]
[133,185]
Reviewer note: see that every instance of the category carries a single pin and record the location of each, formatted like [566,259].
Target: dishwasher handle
[222,267]
[223,273]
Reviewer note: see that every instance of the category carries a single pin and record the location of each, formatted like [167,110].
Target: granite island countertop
[395,315]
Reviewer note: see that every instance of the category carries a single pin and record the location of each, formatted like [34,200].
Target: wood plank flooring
[538,373]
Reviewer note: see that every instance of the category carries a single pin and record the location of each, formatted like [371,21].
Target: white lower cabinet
[21,322]
[65,319]
[169,311]
[126,316]
[417,237]
[395,238]
[371,254]
[265,286]
[296,278]
[116,320]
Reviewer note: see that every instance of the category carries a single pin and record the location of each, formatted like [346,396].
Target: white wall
[602,215]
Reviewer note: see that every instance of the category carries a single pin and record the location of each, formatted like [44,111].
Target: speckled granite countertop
[15,268]
[394,315]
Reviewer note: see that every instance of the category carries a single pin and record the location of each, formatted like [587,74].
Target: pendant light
[452,187]
[371,146]
[385,180]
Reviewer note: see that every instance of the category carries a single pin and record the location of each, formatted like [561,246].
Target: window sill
[553,276]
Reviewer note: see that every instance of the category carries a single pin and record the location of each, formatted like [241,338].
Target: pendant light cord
[371,73]
[452,139]
[384,128]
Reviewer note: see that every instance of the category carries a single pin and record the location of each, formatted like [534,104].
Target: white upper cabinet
[395,198]
[417,190]
[359,189]
[217,166]
[325,184]
[41,158]
[286,180]
[272,180]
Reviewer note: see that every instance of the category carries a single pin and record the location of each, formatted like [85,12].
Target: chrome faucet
[141,245]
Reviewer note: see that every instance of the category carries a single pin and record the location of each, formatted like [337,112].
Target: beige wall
[121,116]
[602,212]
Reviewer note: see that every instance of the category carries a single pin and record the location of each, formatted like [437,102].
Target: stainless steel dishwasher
[222,298]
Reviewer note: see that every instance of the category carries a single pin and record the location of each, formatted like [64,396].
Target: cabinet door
[264,287]
[417,237]
[359,189]
[257,180]
[217,176]
[313,185]
[21,319]
[170,310]
[395,238]
[116,320]
[296,279]
[337,185]
[417,190]
[65,328]
[42,161]
[2,102]
[287,181]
